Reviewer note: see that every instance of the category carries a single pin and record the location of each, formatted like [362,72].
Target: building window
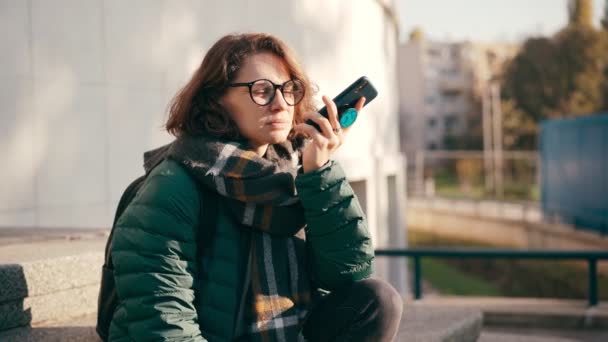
[451,122]
[432,146]
[450,94]
[433,52]
[449,72]
[455,52]
[432,122]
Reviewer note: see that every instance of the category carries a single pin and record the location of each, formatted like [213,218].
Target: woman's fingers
[332,111]
[322,122]
[310,131]
[360,104]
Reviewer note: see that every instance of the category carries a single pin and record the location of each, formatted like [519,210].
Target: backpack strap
[207,226]
[108,299]
[207,220]
[208,206]
[125,199]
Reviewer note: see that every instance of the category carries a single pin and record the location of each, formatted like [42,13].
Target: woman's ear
[221,103]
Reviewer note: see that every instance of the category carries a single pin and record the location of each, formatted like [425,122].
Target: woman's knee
[383,294]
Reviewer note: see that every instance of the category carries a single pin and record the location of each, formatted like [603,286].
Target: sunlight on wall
[97,82]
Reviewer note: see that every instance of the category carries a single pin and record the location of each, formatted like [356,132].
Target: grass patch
[450,280]
[448,185]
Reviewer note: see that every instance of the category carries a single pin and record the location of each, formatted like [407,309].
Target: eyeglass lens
[263,92]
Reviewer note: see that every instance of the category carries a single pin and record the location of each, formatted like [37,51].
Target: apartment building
[441,84]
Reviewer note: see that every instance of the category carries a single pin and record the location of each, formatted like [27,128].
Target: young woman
[285,254]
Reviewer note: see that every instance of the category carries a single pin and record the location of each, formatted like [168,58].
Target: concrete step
[541,335]
[530,312]
[439,324]
[78,329]
[58,305]
[55,273]
[46,280]
[418,324]
[52,285]
[11,236]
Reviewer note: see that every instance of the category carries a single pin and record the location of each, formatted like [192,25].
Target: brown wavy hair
[195,109]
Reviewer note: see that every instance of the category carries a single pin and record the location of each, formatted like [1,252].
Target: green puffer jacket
[162,286]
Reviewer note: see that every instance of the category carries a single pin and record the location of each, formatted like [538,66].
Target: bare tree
[581,13]
[605,19]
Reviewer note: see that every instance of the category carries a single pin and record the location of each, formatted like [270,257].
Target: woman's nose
[278,103]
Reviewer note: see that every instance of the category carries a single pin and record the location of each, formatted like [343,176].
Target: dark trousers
[368,310]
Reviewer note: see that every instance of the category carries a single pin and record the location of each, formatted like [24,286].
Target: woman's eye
[261,91]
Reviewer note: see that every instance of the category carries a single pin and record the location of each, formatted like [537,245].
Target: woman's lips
[278,124]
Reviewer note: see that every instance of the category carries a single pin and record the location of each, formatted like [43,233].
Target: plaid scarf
[260,193]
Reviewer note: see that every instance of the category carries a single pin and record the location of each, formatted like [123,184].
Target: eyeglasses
[262,91]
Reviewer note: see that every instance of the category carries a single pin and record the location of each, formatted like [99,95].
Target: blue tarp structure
[574,171]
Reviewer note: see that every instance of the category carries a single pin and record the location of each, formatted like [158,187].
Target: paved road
[540,335]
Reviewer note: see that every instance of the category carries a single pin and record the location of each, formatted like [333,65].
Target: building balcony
[453,83]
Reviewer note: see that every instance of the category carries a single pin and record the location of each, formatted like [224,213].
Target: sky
[486,20]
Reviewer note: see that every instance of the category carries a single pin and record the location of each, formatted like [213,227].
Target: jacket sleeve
[154,254]
[339,244]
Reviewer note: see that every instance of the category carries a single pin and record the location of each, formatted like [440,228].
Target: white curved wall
[84,87]
[85,84]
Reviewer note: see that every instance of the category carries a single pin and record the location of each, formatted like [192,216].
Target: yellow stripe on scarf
[264,306]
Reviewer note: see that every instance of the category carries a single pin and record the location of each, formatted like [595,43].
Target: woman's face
[261,125]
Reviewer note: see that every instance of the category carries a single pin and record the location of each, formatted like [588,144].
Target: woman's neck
[260,150]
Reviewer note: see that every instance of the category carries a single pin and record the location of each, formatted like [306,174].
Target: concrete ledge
[79,329]
[12,235]
[446,219]
[44,250]
[421,323]
[49,280]
[418,324]
[60,305]
[529,312]
[40,277]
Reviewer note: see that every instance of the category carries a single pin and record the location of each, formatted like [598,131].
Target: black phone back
[349,96]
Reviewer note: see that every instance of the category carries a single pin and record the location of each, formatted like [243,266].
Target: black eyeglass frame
[274,92]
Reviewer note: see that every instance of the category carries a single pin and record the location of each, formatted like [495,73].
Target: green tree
[560,76]
[584,60]
[534,80]
[520,131]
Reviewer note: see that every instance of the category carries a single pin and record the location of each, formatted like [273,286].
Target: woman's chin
[275,137]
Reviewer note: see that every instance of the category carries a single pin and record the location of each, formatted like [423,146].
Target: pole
[592,282]
[419,172]
[498,157]
[417,278]
[487,138]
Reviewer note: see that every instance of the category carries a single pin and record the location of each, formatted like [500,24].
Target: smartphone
[347,99]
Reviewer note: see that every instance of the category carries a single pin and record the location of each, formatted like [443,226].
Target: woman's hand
[318,151]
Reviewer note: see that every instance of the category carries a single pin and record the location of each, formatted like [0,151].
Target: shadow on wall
[99,93]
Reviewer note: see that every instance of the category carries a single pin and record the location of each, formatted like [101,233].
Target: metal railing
[416,254]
